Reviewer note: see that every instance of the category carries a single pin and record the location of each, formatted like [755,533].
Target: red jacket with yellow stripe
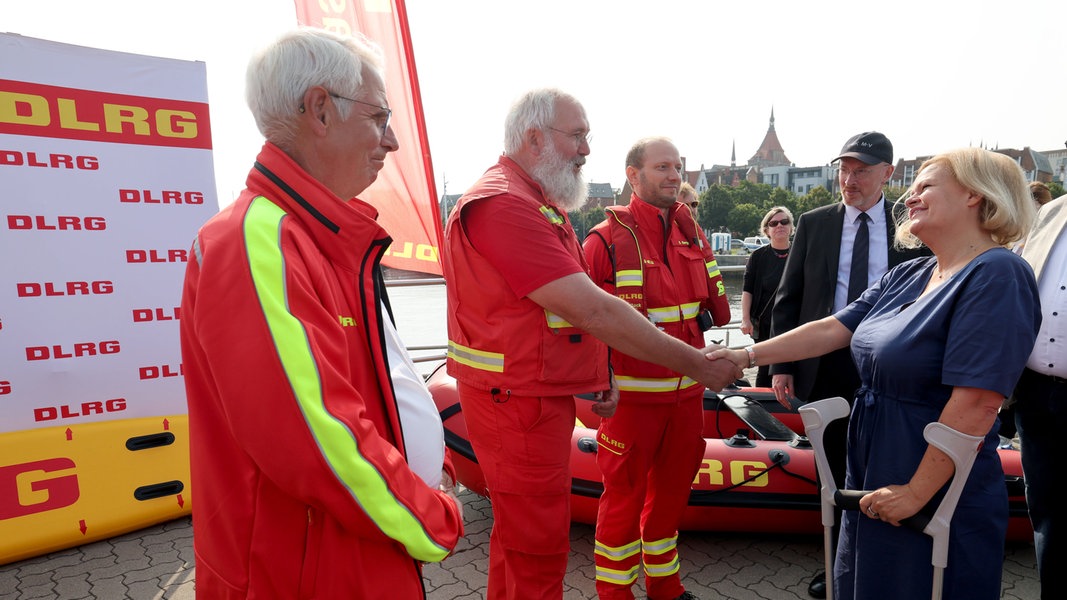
[299,483]
[496,339]
[665,271]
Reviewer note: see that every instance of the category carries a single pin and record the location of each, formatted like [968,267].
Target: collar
[340,227]
[645,212]
[521,175]
[876,212]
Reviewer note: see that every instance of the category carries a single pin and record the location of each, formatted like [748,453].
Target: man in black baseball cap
[855,236]
[870,147]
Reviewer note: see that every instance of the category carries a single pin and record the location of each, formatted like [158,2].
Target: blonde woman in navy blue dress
[940,338]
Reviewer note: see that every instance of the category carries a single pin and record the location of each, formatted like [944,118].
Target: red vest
[496,339]
[670,296]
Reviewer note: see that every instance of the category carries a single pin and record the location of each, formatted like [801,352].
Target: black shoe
[687,595]
[817,587]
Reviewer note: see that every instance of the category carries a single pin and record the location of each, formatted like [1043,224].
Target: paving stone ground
[157,563]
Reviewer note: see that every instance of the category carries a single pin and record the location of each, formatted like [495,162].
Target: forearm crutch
[960,447]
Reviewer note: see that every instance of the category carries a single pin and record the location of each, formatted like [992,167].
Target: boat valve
[587,444]
[740,440]
[779,457]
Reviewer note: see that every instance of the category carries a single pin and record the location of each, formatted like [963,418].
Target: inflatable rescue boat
[757,475]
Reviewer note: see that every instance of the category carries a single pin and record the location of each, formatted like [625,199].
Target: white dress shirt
[424,436]
[877,255]
[1050,351]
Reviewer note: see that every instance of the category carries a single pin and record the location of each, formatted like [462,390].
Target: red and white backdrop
[105,175]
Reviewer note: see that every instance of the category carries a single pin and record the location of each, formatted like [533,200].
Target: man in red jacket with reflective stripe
[301,482]
[526,331]
[652,254]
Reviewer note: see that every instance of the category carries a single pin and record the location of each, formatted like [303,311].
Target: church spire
[733,154]
[770,152]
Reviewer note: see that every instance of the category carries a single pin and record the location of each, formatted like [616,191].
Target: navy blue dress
[975,330]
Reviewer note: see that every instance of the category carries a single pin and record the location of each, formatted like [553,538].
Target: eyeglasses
[384,111]
[782,222]
[579,137]
[859,173]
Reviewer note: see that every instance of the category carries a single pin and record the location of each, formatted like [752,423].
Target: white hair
[280,74]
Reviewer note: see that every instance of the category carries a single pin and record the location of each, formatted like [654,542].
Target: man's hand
[605,402]
[718,373]
[783,389]
[449,487]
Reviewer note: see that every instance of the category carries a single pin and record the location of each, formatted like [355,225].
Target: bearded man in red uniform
[527,329]
[652,254]
[306,479]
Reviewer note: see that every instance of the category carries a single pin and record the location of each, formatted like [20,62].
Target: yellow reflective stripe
[664,314]
[478,359]
[616,576]
[690,310]
[629,278]
[339,447]
[664,570]
[617,552]
[555,321]
[552,216]
[713,269]
[660,546]
[653,384]
[673,314]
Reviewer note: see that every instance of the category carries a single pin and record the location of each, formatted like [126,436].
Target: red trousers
[648,454]
[523,447]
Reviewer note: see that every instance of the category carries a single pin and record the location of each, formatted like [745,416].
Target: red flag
[404,194]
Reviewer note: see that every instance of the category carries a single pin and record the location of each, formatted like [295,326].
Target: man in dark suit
[838,251]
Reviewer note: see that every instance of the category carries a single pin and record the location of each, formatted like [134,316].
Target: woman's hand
[891,504]
[746,326]
[738,357]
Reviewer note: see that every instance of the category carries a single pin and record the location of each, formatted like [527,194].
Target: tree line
[740,209]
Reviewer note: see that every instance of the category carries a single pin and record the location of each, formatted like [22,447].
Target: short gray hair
[280,74]
[534,110]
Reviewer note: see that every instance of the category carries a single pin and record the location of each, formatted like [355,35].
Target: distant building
[768,165]
[904,172]
[448,201]
[1035,164]
[800,180]
[770,152]
[1057,160]
[600,195]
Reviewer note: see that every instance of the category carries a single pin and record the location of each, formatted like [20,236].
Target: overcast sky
[931,75]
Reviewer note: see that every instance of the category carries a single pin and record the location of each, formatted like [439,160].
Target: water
[420,313]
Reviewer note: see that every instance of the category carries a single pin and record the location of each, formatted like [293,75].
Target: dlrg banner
[404,193]
[105,175]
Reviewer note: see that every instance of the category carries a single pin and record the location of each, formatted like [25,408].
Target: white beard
[565,188]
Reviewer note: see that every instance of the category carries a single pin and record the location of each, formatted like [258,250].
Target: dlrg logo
[34,487]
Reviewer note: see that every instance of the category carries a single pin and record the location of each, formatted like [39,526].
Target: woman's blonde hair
[1007,208]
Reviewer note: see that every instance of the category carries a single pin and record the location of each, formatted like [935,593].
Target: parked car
[739,247]
[754,242]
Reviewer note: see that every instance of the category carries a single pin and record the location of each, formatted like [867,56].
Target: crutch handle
[816,416]
[850,500]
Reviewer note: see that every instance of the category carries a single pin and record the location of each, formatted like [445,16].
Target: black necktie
[857,273]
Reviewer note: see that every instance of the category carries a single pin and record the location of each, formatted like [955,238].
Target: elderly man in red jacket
[301,411]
